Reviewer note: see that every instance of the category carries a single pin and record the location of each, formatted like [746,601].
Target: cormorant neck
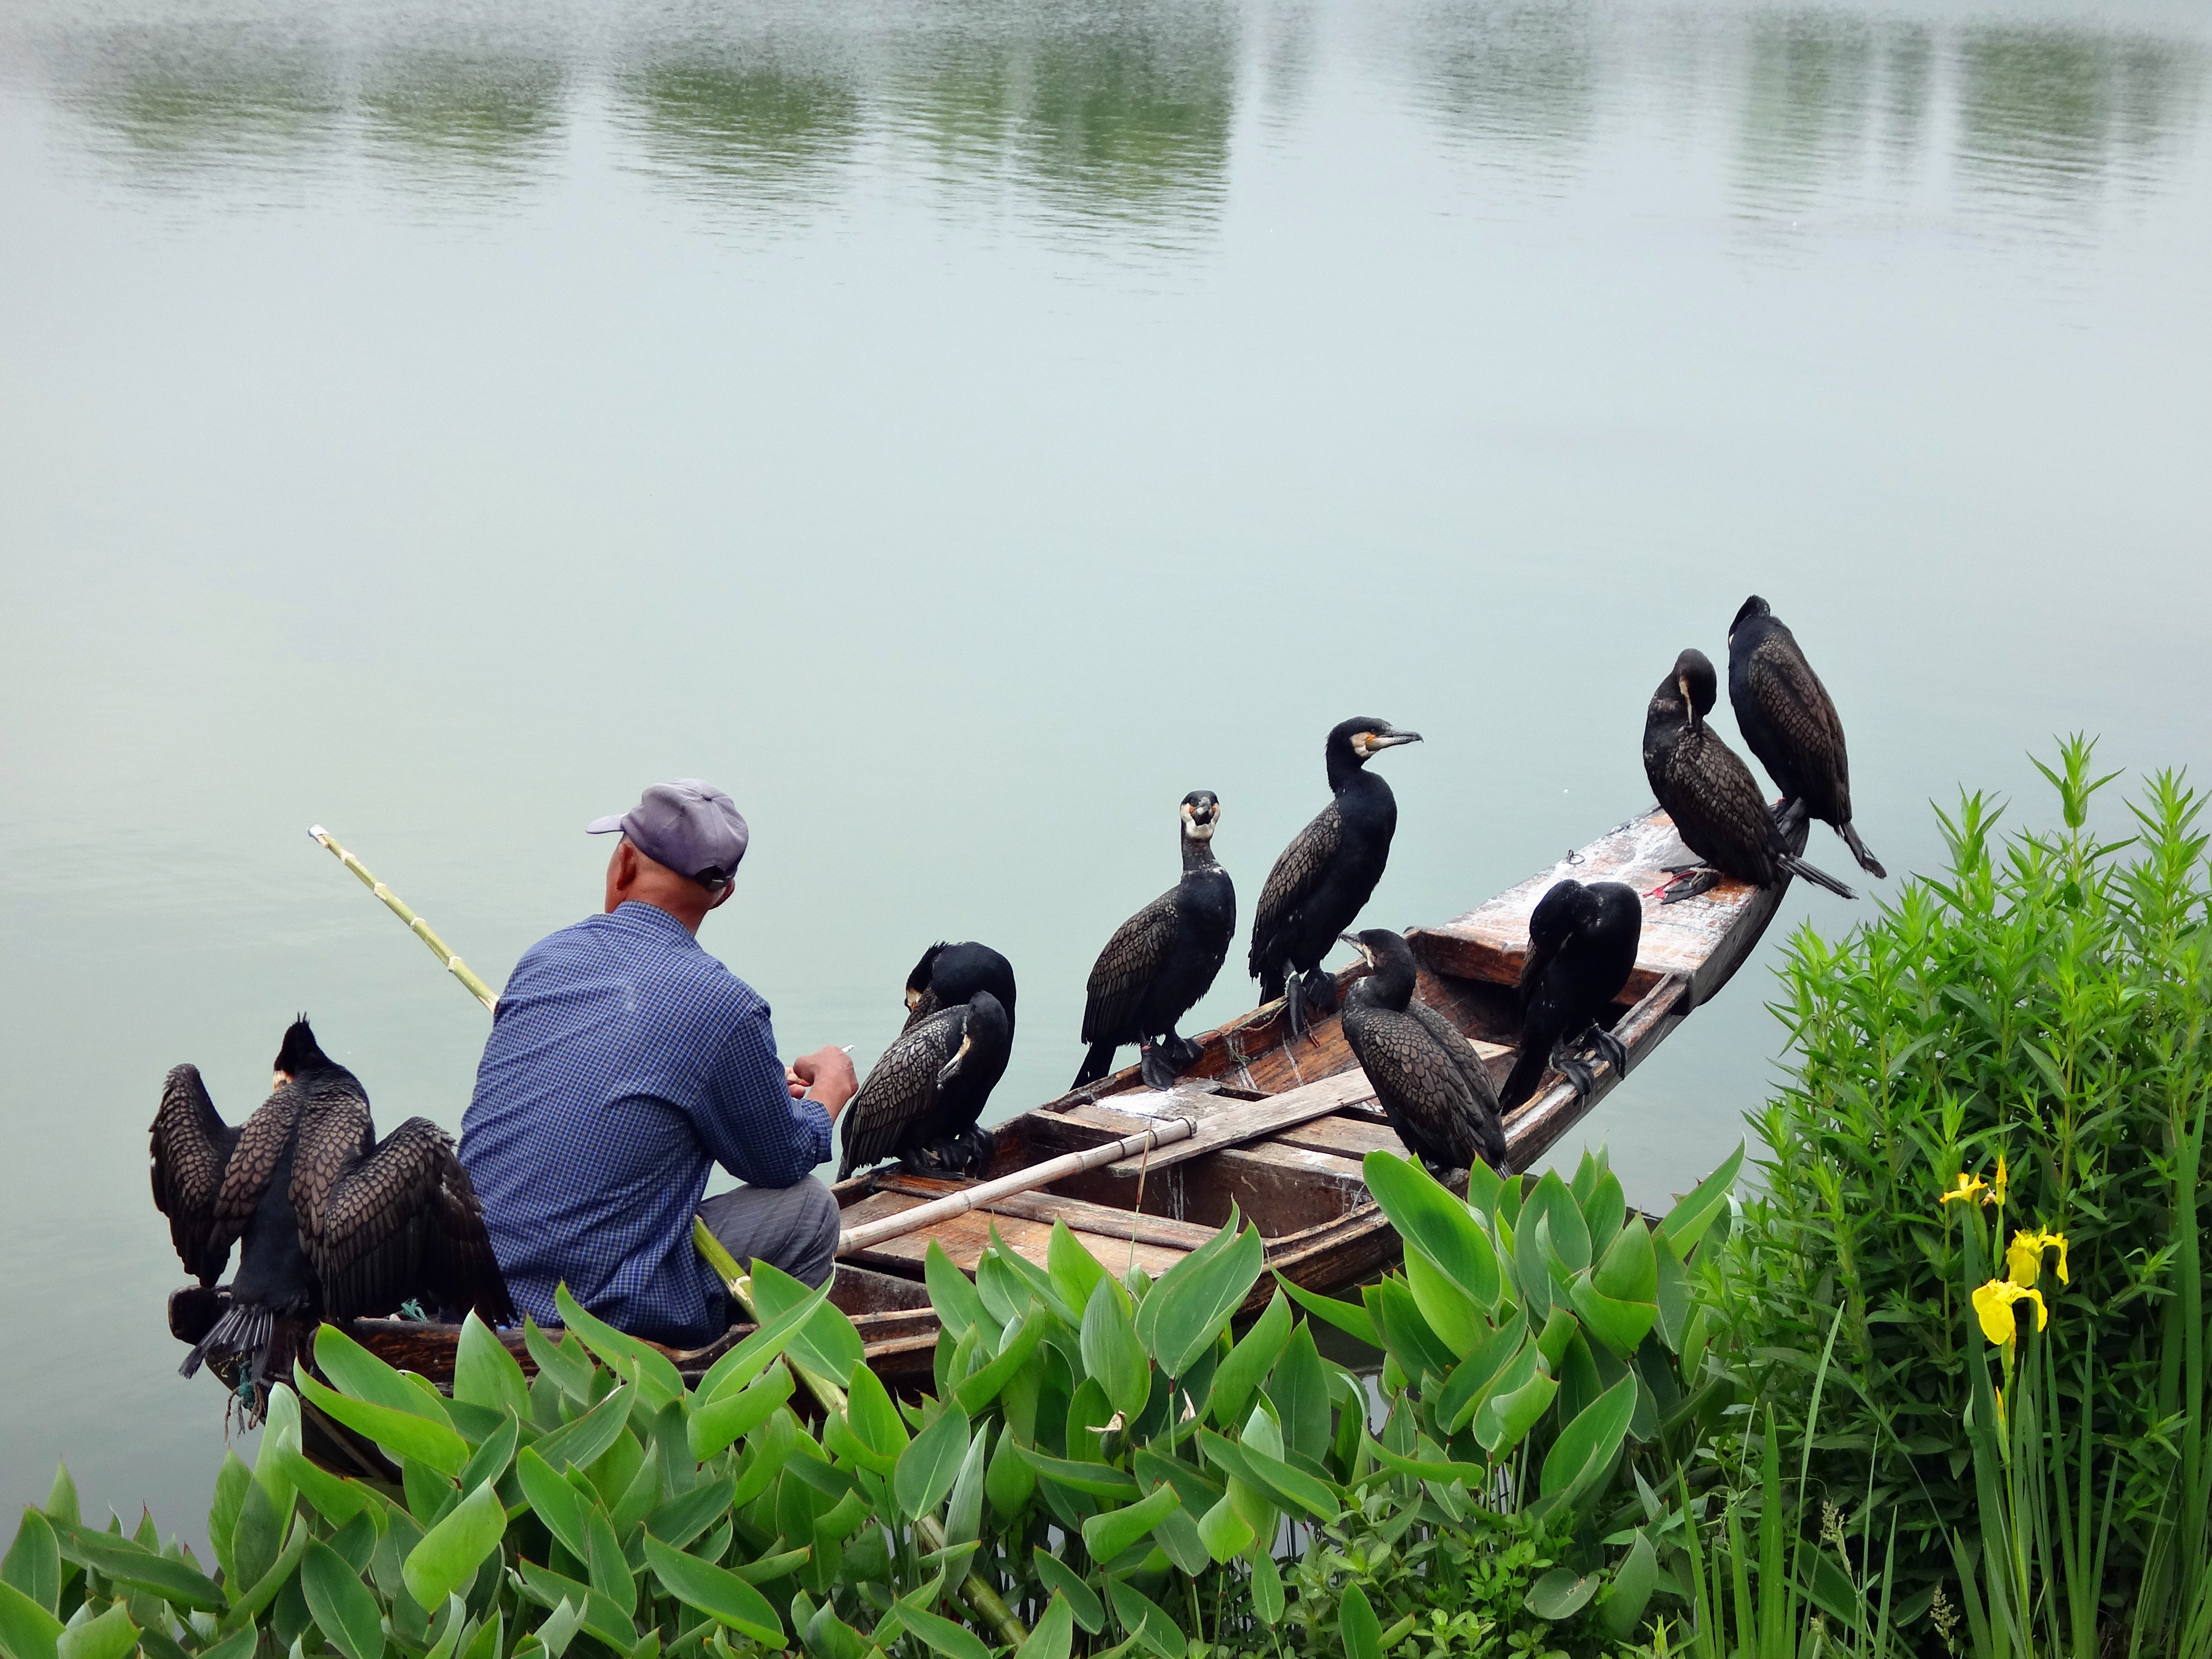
[1391,984]
[1343,767]
[1197,854]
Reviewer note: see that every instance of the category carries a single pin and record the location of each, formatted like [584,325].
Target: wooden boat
[1281,1125]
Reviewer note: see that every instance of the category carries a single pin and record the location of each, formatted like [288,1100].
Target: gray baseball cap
[687,824]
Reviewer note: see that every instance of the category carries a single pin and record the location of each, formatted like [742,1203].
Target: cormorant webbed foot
[1321,990]
[1577,1073]
[1157,1071]
[1183,1053]
[1609,1049]
[1696,880]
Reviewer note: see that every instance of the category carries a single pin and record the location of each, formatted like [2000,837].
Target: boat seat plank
[1081,1217]
[1345,1137]
[1254,1119]
[965,1237]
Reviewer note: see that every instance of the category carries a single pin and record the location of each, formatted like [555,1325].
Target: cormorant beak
[1682,682]
[951,1068]
[1353,939]
[1391,739]
[277,1080]
[912,996]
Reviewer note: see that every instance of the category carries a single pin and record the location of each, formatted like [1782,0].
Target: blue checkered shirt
[623,1060]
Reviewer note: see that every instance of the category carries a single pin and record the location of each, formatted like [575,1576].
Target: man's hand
[826,1075]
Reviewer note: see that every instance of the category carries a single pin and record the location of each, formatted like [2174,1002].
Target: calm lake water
[962,428]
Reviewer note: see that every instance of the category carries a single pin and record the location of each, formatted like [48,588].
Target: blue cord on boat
[412,1309]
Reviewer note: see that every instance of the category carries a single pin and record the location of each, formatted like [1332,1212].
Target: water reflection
[743,122]
[171,103]
[438,114]
[1125,111]
[2046,113]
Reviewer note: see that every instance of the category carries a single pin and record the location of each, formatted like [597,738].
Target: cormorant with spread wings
[1323,876]
[1790,723]
[334,1224]
[1161,960]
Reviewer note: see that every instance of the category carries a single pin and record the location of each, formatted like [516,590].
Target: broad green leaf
[1558,1331]
[1064,1581]
[451,1552]
[654,1372]
[264,1589]
[402,1433]
[231,1481]
[581,1444]
[952,1292]
[1604,1209]
[1561,1593]
[109,1636]
[27,1630]
[928,1468]
[1671,1294]
[138,1567]
[336,1499]
[1442,1471]
[687,1515]
[1053,1636]
[826,1342]
[1076,1272]
[1435,1225]
[1357,1623]
[360,1374]
[1638,1576]
[604,1565]
[556,1503]
[1266,1588]
[1111,1353]
[559,1629]
[1553,1202]
[1035,1278]
[1252,1358]
[1298,1385]
[346,1611]
[1010,1480]
[1469,1384]
[1144,1618]
[1518,1398]
[565,1362]
[983,1385]
[1107,1536]
[721,1595]
[1587,1445]
[940,1633]
[1451,1312]
[1270,1476]
[875,1421]
[1409,1338]
[1629,1269]
[1621,1326]
[1225,1534]
[61,1497]
[1350,1317]
[963,1510]
[1099,1480]
[493,1454]
[1197,1296]
[485,1373]
[738,1368]
[737,1412]
[602,1618]
[34,1563]
[1685,1223]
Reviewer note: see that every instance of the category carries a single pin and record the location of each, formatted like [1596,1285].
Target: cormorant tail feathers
[1818,877]
[1521,1083]
[1095,1064]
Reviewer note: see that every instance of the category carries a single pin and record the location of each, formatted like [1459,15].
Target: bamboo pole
[1021,1180]
[415,925]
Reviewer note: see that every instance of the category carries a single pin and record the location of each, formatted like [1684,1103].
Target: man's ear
[722,898]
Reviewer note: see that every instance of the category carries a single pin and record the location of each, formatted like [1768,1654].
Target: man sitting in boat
[623,1062]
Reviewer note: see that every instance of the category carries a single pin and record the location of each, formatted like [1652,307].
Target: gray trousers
[794,1228]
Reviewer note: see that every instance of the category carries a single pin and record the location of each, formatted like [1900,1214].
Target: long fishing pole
[415,925]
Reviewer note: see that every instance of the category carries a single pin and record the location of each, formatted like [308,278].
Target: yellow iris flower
[1994,1304]
[1997,1187]
[1968,1186]
[2024,1257]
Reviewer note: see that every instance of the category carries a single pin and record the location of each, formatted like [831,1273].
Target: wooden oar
[415,925]
[1021,1180]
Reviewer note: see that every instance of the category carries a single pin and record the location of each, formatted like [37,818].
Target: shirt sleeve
[748,1120]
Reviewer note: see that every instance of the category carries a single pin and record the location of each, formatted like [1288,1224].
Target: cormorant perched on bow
[1432,1086]
[1785,714]
[335,1223]
[1318,886]
[1161,960]
[1582,948]
[919,1103]
[1710,793]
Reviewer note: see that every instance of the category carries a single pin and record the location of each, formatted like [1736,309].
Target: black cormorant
[334,1224]
[1581,948]
[947,976]
[1324,876]
[1710,793]
[918,1103]
[1161,960]
[1787,719]
[1432,1086]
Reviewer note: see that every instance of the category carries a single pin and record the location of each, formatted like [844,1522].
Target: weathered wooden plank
[1082,1217]
[965,1237]
[1345,1137]
[1245,1120]
[1702,939]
